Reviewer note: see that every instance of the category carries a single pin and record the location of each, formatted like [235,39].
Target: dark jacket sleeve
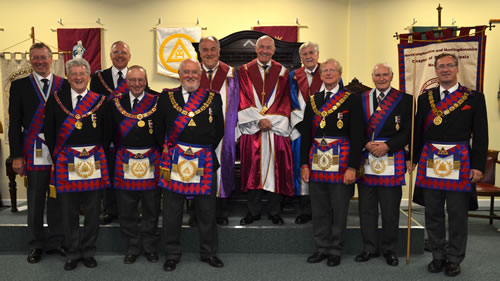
[479,149]
[16,139]
[402,137]
[356,132]
[49,124]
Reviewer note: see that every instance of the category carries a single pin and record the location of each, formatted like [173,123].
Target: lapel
[179,98]
[108,78]
[65,97]
[125,102]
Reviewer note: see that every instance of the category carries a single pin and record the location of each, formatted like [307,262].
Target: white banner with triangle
[173,45]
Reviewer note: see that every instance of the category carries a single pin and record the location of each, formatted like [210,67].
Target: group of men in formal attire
[300,133]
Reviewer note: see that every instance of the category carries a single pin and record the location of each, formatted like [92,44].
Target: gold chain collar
[78,116]
[135,116]
[440,114]
[191,114]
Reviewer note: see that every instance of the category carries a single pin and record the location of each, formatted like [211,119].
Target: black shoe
[436,266]
[249,219]
[35,255]
[170,265]
[316,257]
[70,264]
[129,259]
[276,219]
[391,258]
[333,260]
[452,269]
[213,261]
[223,221]
[301,219]
[106,218]
[366,256]
[90,262]
[152,257]
[58,251]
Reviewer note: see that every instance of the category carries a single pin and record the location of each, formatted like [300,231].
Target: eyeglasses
[332,70]
[443,66]
[117,53]
[44,58]
[193,72]
[134,80]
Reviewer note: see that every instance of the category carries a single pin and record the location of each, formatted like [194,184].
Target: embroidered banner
[283,33]
[416,59]
[81,43]
[173,45]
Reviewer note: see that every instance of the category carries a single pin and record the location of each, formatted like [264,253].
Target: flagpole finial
[60,21]
[98,21]
[439,8]
[297,21]
[258,21]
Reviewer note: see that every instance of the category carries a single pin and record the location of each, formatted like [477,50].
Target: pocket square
[466,107]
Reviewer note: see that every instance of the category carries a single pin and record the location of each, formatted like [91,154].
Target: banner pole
[410,185]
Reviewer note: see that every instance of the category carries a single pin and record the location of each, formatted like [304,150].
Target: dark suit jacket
[88,135]
[205,133]
[97,86]
[397,139]
[466,122]
[23,102]
[353,128]
[138,137]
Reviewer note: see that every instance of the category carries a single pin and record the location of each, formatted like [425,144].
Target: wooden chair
[486,187]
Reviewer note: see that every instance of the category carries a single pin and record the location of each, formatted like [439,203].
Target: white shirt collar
[310,72]
[115,70]
[451,90]
[385,92]
[334,90]
[74,96]
[40,77]
[261,64]
[132,98]
[214,68]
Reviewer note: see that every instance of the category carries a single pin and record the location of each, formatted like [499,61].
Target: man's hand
[18,165]
[304,173]
[378,149]
[409,166]
[349,176]
[475,175]
[265,125]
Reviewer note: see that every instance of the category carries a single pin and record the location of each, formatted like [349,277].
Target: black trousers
[305,205]
[139,234]
[457,207]
[37,193]
[389,199]
[330,205]
[173,205]
[255,202]
[109,201]
[81,242]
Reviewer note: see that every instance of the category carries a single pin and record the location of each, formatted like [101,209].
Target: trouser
[255,202]
[389,199]
[81,242]
[38,187]
[139,234]
[330,205]
[457,207]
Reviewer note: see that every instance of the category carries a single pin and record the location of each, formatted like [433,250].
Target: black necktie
[78,98]
[445,92]
[120,78]
[312,73]
[380,97]
[210,72]
[45,88]
[265,66]
[136,101]
[327,96]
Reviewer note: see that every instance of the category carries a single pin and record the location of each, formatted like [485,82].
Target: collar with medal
[78,117]
[325,113]
[192,114]
[138,117]
[439,113]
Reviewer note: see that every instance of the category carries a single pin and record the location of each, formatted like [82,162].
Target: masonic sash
[136,168]
[328,159]
[319,119]
[300,76]
[264,88]
[35,151]
[444,166]
[145,108]
[375,120]
[120,90]
[218,80]
[446,106]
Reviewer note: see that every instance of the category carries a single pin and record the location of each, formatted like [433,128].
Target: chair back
[490,169]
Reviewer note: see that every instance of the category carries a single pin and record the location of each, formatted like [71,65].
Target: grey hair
[264,37]
[78,62]
[308,44]
[382,64]
[139,68]
[120,43]
[184,61]
[213,38]
[337,64]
